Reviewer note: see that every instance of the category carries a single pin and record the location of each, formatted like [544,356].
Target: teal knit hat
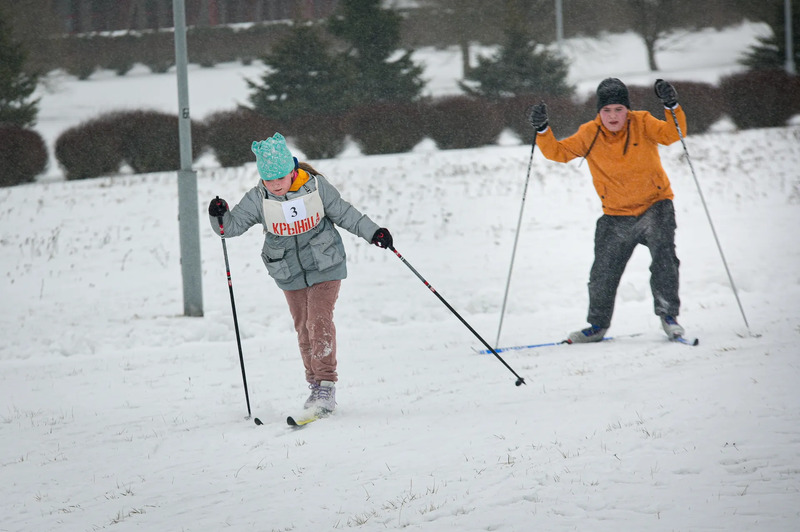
[273,158]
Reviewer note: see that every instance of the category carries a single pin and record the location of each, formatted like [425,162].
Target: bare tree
[463,21]
[651,25]
[657,20]
[469,22]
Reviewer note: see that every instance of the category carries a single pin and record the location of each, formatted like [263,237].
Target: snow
[120,413]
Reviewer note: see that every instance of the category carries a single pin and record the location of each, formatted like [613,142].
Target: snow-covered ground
[119,413]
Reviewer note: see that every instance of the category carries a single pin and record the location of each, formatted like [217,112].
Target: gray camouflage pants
[614,241]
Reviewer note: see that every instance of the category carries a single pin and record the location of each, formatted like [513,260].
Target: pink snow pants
[312,312]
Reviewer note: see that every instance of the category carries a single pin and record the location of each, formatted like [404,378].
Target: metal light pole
[559,22]
[790,67]
[187,178]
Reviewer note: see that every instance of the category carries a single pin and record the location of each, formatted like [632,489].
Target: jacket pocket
[658,183]
[277,267]
[326,250]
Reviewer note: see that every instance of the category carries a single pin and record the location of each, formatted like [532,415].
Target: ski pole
[520,381]
[516,239]
[708,215]
[233,308]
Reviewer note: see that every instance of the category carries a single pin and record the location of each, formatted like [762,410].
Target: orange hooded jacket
[626,167]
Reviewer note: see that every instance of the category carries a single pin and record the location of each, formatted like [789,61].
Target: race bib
[293,217]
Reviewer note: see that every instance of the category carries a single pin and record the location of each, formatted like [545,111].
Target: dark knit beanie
[612,90]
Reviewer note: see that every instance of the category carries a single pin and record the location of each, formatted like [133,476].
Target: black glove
[382,238]
[218,207]
[666,93]
[537,115]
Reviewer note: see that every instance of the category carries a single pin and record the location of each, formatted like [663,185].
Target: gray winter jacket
[308,258]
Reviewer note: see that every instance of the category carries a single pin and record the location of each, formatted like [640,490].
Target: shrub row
[148,141]
[750,99]
[82,55]
[761,98]
[23,155]
[456,122]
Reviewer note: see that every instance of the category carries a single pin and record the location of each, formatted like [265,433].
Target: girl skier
[303,252]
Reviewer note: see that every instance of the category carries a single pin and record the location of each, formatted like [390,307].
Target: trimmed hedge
[147,140]
[230,134]
[761,98]
[386,127]
[203,44]
[150,140]
[90,149]
[702,103]
[564,115]
[112,53]
[463,122]
[23,155]
[82,55]
[318,136]
[156,51]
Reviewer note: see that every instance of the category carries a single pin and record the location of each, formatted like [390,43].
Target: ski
[302,421]
[686,341]
[298,421]
[309,415]
[549,344]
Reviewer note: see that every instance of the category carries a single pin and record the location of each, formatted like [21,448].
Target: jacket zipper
[297,244]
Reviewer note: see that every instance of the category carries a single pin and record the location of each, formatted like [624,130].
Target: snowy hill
[119,411]
[121,414]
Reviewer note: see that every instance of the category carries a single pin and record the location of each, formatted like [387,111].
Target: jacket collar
[301,179]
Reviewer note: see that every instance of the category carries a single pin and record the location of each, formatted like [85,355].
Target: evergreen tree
[302,78]
[372,36]
[519,67]
[16,87]
[770,52]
